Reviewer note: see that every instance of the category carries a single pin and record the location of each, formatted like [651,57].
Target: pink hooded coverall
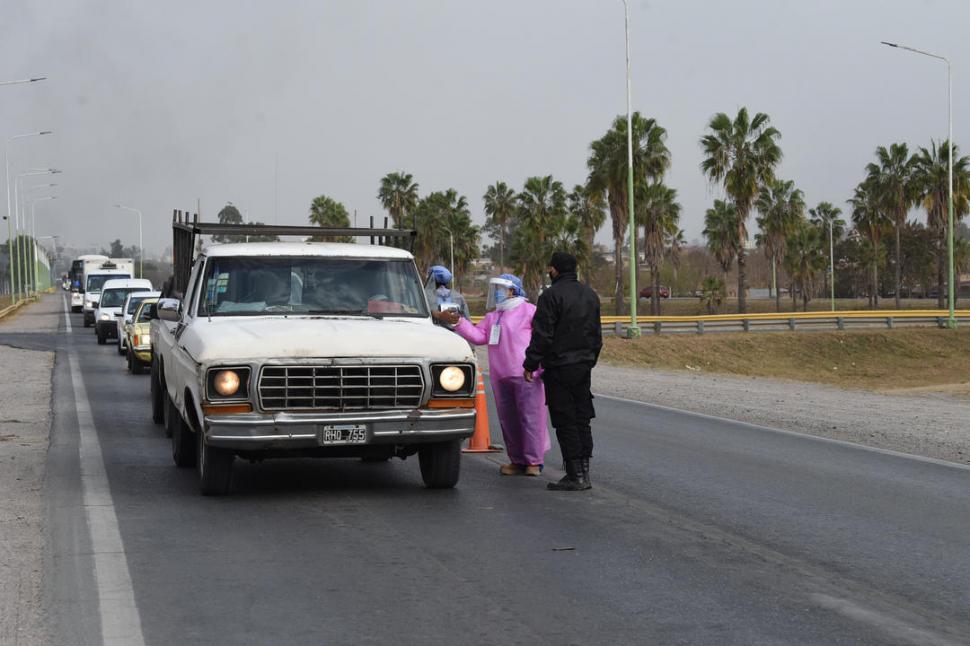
[521,405]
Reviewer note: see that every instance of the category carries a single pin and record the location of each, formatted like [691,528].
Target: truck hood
[247,339]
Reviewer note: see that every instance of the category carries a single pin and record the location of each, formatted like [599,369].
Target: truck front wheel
[183,440]
[215,468]
[440,464]
[158,401]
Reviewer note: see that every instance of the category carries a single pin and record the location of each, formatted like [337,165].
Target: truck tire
[121,347]
[135,366]
[102,340]
[86,323]
[183,439]
[158,403]
[214,467]
[440,464]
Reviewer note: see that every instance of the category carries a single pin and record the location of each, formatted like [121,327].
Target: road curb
[10,309]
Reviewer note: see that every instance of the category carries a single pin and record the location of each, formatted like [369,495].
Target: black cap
[564,263]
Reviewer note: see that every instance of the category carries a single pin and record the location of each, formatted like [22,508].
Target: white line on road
[818,438]
[120,621]
[67,314]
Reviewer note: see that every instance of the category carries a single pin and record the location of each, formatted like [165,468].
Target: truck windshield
[311,285]
[96,281]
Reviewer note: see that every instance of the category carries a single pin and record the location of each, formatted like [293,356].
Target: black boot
[574,480]
[586,471]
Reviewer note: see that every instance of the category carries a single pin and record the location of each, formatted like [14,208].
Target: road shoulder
[928,424]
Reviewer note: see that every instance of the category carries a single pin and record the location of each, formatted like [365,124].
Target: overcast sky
[160,104]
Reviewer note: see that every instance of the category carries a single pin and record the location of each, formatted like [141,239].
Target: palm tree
[721,231]
[675,250]
[589,209]
[500,205]
[782,209]
[328,213]
[825,216]
[871,222]
[608,170]
[658,212]
[743,155]
[542,203]
[443,217]
[932,192]
[398,194]
[892,177]
[804,258]
[712,293]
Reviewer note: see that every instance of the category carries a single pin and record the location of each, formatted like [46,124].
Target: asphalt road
[698,531]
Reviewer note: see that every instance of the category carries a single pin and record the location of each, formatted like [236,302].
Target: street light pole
[634,330]
[951,321]
[832,263]
[12,259]
[21,222]
[141,247]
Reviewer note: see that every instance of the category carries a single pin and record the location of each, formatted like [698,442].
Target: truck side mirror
[168,309]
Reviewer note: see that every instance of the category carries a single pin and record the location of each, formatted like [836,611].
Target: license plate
[339,434]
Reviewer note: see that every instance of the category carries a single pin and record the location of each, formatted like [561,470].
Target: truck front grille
[340,388]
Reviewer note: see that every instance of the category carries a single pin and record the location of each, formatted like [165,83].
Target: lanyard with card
[496,332]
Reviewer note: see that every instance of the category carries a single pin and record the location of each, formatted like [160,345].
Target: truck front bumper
[108,328]
[268,431]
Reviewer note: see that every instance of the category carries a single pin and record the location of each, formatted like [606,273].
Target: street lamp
[831,262]
[141,249]
[21,222]
[11,257]
[30,80]
[33,227]
[634,330]
[951,322]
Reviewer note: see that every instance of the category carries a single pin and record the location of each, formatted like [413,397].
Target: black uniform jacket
[566,328]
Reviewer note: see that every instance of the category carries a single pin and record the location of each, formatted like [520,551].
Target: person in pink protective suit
[521,405]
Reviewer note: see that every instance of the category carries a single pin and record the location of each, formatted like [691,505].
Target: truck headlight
[105,317]
[224,383]
[452,380]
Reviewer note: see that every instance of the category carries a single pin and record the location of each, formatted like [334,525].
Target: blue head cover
[515,280]
[441,275]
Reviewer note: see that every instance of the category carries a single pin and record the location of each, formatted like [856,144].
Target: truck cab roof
[322,249]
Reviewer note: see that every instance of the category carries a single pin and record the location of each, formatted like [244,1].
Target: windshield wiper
[363,312]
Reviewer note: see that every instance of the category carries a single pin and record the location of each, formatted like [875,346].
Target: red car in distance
[647,292]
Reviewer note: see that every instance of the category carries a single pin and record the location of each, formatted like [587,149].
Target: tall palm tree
[826,218]
[892,174]
[658,212]
[398,194]
[608,169]
[782,209]
[871,222]
[742,154]
[443,216]
[933,194]
[804,259]
[542,202]
[500,205]
[327,212]
[722,233]
[675,250]
[589,209]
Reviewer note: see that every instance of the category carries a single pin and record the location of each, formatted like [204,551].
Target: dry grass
[924,359]
[4,302]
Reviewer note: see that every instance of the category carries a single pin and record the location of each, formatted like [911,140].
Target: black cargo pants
[570,405]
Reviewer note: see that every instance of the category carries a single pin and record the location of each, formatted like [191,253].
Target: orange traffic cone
[481,441]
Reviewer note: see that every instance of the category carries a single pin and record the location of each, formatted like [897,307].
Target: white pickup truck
[308,349]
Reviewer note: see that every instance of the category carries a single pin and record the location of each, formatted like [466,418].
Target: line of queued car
[122,314]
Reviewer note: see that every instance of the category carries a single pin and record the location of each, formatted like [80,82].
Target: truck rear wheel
[215,468]
[183,440]
[102,338]
[440,464]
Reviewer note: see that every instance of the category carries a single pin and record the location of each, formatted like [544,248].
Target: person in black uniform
[566,342]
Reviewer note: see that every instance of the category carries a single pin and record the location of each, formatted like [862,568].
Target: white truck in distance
[308,349]
[95,274]
[79,269]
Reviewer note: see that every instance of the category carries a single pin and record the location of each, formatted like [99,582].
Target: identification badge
[495,335]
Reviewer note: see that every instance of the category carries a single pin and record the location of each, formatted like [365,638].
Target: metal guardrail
[777,321]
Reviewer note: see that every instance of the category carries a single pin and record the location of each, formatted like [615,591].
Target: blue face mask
[501,296]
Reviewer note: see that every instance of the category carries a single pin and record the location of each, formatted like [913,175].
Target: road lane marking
[67,314]
[806,436]
[120,620]
[888,624]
